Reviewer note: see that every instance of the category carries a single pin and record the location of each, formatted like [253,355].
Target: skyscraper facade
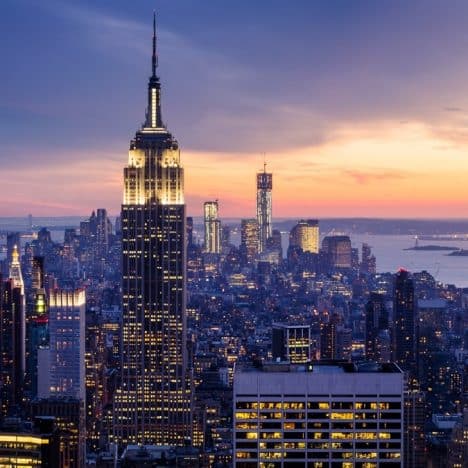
[249,240]
[376,328]
[305,235]
[212,227]
[11,347]
[264,207]
[67,346]
[321,415]
[153,403]
[404,323]
[338,251]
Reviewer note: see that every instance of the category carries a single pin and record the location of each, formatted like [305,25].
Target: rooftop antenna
[154,57]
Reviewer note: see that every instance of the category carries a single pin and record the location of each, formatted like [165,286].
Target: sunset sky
[361,107]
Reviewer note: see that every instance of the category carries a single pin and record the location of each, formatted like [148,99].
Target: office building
[37,447]
[414,455]
[305,235]
[274,243]
[12,349]
[291,343]
[322,415]
[153,403]
[249,247]
[368,263]
[212,227]
[264,207]
[458,447]
[189,230]
[64,358]
[404,334]
[376,328]
[103,230]
[68,417]
[337,250]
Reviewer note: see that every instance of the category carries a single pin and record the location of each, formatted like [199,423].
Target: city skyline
[365,109]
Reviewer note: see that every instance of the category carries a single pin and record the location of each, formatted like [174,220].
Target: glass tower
[153,403]
[212,227]
[264,187]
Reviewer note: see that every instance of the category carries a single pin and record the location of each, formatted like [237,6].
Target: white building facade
[320,416]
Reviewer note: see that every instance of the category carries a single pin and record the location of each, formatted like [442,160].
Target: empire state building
[153,403]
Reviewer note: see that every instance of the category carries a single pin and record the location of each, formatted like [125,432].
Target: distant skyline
[361,107]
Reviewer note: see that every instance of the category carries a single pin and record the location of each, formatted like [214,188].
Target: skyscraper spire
[155,57]
[153,110]
[15,270]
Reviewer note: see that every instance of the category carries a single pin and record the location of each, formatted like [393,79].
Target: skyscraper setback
[154,401]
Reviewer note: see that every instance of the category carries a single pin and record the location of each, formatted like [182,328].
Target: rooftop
[322,367]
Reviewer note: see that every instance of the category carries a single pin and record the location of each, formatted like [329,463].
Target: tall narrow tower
[404,323]
[153,403]
[264,187]
[212,227]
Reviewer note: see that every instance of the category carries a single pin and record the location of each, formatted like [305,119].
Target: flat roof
[322,367]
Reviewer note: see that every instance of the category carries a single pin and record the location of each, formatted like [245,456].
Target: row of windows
[317,415]
[324,405]
[315,425]
[336,455]
[319,435]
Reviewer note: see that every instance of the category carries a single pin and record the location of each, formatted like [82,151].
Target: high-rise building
[458,448]
[153,403]
[321,415]
[274,243]
[249,240]
[103,228]
[37,280]
[212,227]
[337,250]
[37,325]
[413,429]
[66,364]
[13,240]
[291,343]
[189,230]
[264,207]
[376,323]
[368,263]
[38,447]
[12,357]
[68,417]
[16,318]
[404,334]
[305,235]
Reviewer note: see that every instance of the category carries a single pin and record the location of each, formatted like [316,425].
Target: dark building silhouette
[404,335]
[12,351]
[376,323]
[338,251]
[189,229]
[67,413]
